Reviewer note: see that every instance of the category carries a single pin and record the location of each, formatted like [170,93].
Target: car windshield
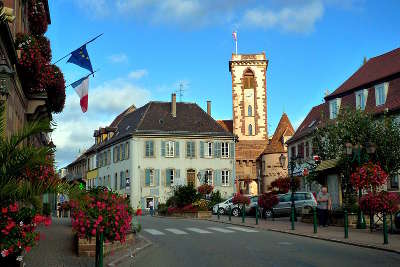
[285,198]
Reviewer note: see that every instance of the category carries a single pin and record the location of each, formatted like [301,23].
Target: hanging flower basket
[369,176]
[55,88]
[383,201]
[282,184]
[268,200]
[37,17]
[44,46]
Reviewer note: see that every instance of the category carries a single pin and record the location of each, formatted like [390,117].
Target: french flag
[81,87]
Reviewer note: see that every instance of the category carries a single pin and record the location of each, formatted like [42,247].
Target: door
[191,177]
[333,189]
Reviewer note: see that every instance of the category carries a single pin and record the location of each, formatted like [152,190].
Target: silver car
[283,208]
[223,207]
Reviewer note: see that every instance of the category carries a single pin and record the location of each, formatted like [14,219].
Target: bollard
[346,224]
[315,219]
[99,249]
[218,211]
[230,213]
[292,217]
[243,212]
[385,232]
[256,214]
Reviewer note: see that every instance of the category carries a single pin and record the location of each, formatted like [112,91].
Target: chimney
[209,107]
[173,105]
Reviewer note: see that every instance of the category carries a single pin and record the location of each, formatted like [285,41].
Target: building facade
[162,145]
[374,88]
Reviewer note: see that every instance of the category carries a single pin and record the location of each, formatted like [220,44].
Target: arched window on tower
[250,129]
[248,79]
[249,111]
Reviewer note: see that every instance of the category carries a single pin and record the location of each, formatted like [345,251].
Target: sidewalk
[56,249]
[357,237]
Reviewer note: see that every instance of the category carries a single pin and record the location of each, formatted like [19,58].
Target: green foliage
[183,195]
[162,209]
[215,198]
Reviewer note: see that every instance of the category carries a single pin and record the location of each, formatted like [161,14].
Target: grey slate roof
[155,118]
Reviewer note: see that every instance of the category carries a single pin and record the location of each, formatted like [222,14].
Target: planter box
[86,247]
[339,220]
[193,215]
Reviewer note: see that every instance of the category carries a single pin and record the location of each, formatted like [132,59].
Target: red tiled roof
[283,129]
[375,69]
[313,119]
[226,124]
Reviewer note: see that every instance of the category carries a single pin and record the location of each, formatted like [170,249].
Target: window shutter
[215,145]
[193,149]
[147,177]
[385,91]
[232,150]
[157,177]
[201,149]
[117,153]
[219,149]
[121,180]
[230,178]
[151,148]
[176,149]
[127,150]
[217,178]
[168,177]
[188,149]
[178,177]
[162,148]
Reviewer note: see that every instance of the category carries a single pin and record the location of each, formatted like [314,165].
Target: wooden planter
[87,248]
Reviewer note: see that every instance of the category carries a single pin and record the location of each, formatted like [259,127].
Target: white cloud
[291,18]
[118,58]
[138,74]
[74,129]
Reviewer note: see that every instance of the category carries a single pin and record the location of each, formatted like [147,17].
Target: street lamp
[293,161]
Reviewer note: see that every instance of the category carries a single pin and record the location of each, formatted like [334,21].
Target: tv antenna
[180,91]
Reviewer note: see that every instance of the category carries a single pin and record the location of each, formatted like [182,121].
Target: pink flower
[4,253]
[27,249]
[4,210]
[93,232]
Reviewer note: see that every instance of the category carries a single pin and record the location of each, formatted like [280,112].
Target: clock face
[249,95]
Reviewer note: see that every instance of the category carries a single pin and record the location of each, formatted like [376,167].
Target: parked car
[283,208]
[223,207]
[251,208]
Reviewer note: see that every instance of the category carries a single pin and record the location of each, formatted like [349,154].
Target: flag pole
[236,45]
[83,77]
[78,48]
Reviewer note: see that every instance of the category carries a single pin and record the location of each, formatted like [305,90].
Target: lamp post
[293,207]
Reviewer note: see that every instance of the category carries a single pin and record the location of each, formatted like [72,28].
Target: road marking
[285,243]
[222,230]
[197,230]
[154,232]
[176,231]
[247,230]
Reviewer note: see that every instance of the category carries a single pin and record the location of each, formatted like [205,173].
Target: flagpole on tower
[234,35]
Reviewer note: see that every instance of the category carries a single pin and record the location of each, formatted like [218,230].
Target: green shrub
[215,199]
[162,209]
[184,195]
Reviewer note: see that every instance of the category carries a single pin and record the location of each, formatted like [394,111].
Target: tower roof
[284,129]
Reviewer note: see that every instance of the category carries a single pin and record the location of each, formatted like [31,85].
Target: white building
[162,145]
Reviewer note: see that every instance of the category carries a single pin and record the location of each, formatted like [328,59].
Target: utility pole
[180,91]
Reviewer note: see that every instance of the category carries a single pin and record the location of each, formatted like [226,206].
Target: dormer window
[334,106]
[361,99]
[381,91]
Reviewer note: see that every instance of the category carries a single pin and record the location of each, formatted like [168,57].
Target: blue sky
[151,46]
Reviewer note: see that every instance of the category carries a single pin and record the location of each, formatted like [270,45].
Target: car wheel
[268,214]
[236,212]
[221,211]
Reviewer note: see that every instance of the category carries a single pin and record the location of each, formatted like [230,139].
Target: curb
[351,243]
[132,254]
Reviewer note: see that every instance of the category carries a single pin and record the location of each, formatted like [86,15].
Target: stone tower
[249,96]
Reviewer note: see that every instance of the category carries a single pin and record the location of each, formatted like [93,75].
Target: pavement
[56,249]
[357,237]
[189,242]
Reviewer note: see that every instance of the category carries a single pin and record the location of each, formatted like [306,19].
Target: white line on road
[176,231]
[247,230]
[222,230]
[197,230]
[154,232]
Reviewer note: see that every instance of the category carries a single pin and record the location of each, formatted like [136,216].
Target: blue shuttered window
[201,149]
[232,150]
[176,149]
[162,148]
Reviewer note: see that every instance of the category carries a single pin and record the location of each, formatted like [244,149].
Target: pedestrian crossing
[195,230]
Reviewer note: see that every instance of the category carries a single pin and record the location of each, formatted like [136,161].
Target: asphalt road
[184,242]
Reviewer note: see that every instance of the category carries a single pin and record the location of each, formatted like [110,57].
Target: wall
[258,64]
[273,170]
[162,192]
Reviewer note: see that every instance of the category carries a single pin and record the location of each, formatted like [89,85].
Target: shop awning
[327,164]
